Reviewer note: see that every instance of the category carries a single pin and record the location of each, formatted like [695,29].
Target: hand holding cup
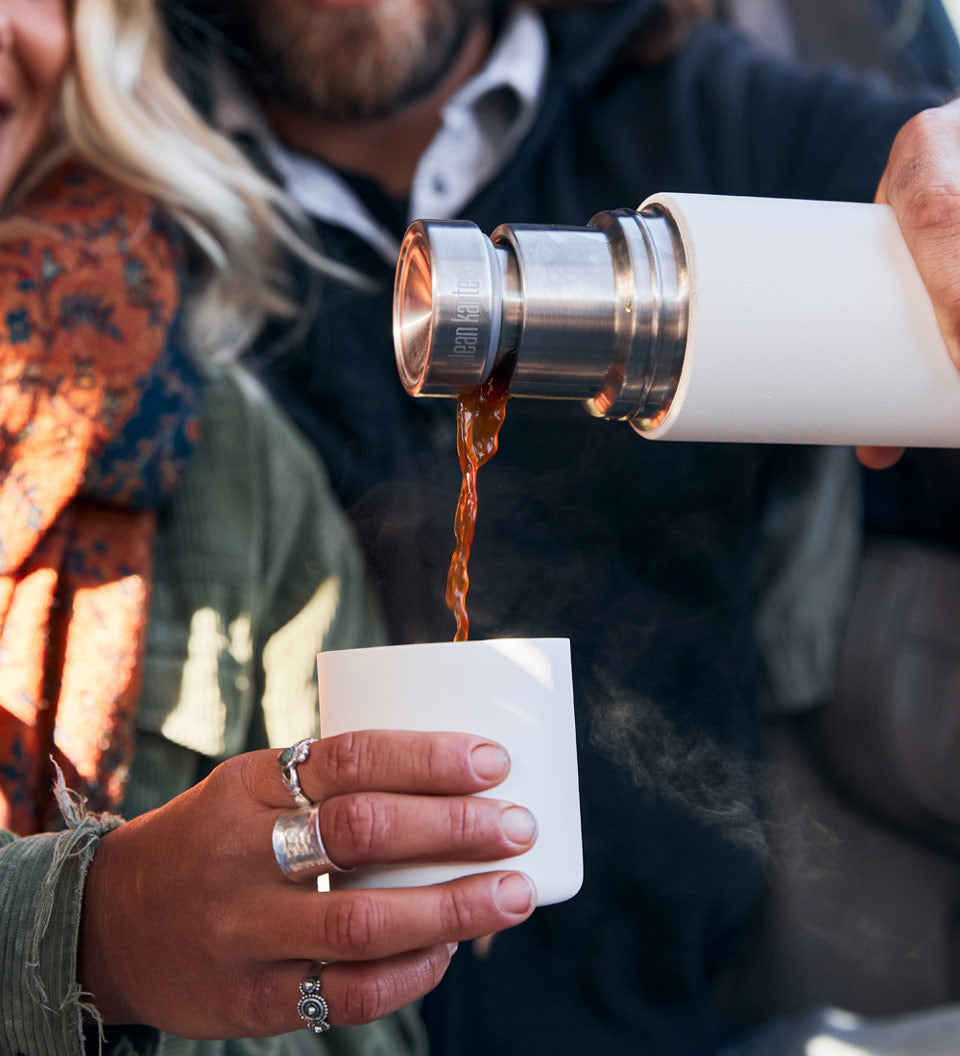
[189,925]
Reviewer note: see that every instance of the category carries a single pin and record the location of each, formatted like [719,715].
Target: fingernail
[452,947]
[515,893]
[490,762]
[518,824]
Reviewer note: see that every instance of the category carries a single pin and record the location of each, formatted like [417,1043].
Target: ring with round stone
[312,1007]
[289,759]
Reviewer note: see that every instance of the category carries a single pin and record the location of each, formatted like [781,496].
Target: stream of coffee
[480,415]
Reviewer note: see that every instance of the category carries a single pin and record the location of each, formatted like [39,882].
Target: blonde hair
[122,111]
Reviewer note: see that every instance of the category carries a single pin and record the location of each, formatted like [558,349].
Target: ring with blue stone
[312,1007]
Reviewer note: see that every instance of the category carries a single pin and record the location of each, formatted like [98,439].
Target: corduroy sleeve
[42,1008]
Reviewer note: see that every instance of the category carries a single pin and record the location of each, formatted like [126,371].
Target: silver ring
[312,1007]
[289,759]
[298,848]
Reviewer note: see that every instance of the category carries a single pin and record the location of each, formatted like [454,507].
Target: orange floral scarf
[98,413]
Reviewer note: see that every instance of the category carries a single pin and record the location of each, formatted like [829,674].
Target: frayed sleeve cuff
[41,892]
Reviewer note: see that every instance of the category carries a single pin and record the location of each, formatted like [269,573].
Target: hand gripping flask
[694,317]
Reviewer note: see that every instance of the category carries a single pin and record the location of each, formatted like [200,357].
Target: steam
[716,784]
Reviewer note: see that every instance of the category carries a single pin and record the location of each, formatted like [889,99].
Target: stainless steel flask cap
[448,295]
[596,313]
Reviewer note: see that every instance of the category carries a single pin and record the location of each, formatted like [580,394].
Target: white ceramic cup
[516,691]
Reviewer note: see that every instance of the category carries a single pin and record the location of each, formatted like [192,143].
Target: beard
[350,64]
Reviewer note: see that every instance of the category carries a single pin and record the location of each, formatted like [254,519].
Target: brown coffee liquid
[480,415]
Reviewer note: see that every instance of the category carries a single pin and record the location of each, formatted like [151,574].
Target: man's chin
[363,74]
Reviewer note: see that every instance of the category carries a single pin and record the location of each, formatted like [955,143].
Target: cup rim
[425,646]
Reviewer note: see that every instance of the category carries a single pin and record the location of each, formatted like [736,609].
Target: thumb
[922,185]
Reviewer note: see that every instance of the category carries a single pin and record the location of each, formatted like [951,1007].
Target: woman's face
[34,49]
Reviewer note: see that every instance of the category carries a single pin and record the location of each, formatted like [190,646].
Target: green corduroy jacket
[255,571]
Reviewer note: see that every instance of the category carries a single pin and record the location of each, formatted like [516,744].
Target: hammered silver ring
[289,759]
[298,846]
[312,1007]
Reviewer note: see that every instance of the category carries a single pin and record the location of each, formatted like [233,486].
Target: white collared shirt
[482,126]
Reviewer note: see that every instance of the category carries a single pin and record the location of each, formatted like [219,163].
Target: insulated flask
[694,317]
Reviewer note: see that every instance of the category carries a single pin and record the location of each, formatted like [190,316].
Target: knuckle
[355,926]
[224,778]
[433,761]
[251,1005]
[348,759]
[459,913]
[371,1000]
[466,821]
[430,762]
[228,851]
[933,207]
[238,781]
[360,823]
[430,970]
[921,163]
[223,927]
[245,776]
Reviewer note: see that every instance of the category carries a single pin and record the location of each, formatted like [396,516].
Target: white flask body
[807,323]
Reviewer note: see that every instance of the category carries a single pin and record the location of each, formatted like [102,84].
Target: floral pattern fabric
[98,416]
